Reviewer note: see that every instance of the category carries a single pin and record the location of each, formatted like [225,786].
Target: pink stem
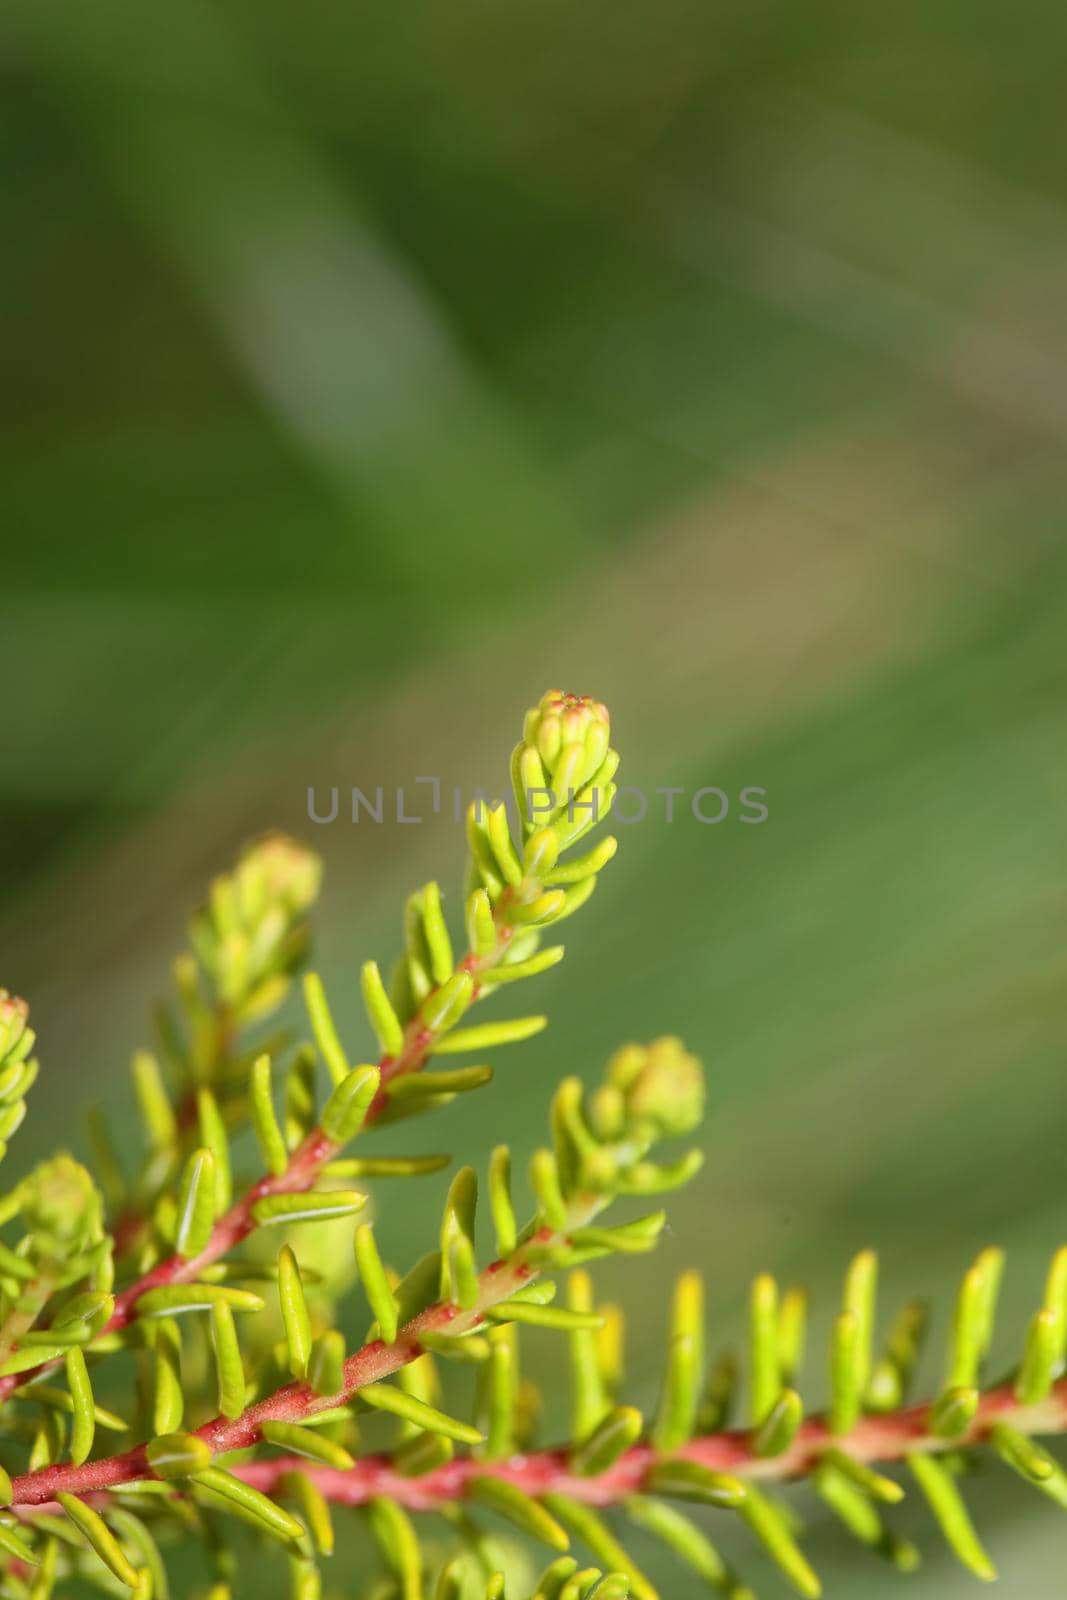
[875,1440]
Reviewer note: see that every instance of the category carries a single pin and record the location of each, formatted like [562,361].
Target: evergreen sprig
[249,1406]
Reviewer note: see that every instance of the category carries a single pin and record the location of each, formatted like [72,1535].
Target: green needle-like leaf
[532,1315]
[157,1113]
[846,1395]
[613,1435]
[13,1266]
[499,836]
[214,1138]
[779,1427]
[305,1582]
[83,1426]
[179,1299]
[459,1279]
[168,1401]
[326,1367]
[500,1205]
[399,1545]
[972,1327]
[1028,1459]
[1041,1358]
[526,1514]
[589,1399]
[953,1412]
[13,1545]
[577,868]
[290,1436]
[86,1313]
[384,1397]
[861,1289]
[91,1525]
[545,1180]
[856,1512]
[264,1120]
[946,1503]
[688,1480]
[1056,1297]
[423,1453]
[436,932]
[584,1524]
[891,1378]
[346,1110]
[676,1417]
[675,1530]
[485,1035]
[282,1210]
[770,1527]
[324,1028]
[481,928]
[498,1391]
[196,1204]
[430,1086]
[386,1166]
[792,1333]
[383,1018]
[443,1008]
[295,1317]
[764,1375]
[864,1477]
[229,1367]
[470,1348]
[375,1282]
[313,1507]
[227,1493]
[530,968]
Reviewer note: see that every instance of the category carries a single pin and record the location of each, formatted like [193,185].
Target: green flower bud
[253,929]
[662,1087]
[16,1039]
[60,1203]
[277,871]
[570,733]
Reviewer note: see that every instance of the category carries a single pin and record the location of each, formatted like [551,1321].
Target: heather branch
[296,1402]
[247,941]
[648,1093]
[317,1149]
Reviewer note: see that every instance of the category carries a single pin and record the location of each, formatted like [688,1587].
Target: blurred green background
[369,370]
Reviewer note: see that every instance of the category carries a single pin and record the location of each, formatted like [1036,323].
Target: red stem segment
[875,1440]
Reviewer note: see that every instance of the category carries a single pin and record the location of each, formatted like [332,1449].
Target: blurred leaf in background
[370,371]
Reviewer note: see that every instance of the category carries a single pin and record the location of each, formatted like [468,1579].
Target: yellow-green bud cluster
[561,774]
[650,1092]
[571,734]
[602,1149]
[253,929]
[562,769]
[16,1037]
[60,1207]
[17,1069]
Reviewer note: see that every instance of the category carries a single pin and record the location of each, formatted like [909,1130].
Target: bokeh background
[371,369]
